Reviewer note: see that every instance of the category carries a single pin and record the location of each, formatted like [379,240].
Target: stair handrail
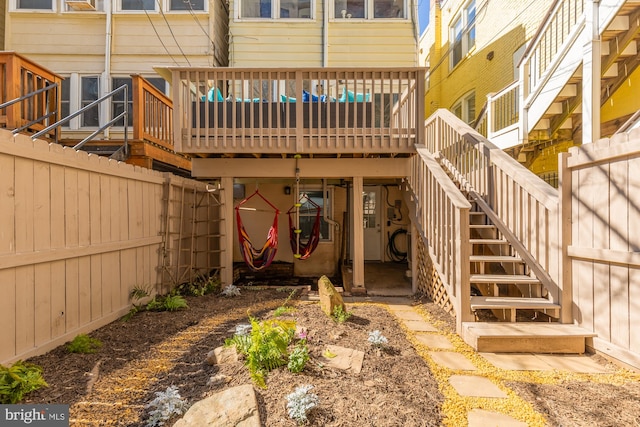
[528,258]
[28,96]
[529,206]
[441,215]
[628,125]
[110,123]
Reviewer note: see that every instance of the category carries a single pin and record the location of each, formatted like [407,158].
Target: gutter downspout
[325,34]
[106,75]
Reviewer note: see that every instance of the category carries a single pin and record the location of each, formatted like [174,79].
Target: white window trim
[166,8]
[237,10]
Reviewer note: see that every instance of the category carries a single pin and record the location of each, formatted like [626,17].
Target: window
[369,9]
[465,108]
[34,4]
[186,5]
[463,33]
[65,107]
[308,215]
[89,92]
[138,4]
[278,9]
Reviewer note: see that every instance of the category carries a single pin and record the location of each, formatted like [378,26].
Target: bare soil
[154,350]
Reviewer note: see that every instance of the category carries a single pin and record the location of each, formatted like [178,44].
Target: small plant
[377,340]
[83,343]
[18,380]
[167,303]
[166,404]
[231,291]
[300,402]
[298,357]
[265,348]
[202,286]
[340,315]
[283,310]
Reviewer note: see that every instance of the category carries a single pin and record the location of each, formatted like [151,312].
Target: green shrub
[200,287]
[83,343]
[298,357]
[18,380]
[283,310]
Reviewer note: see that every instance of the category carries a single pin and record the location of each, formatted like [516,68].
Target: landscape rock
[222,355]
[235,406]
[346,359]
[330,298]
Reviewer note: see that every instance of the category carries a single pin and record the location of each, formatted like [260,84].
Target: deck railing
[442,220]
[152,114]
[503,115]
[528,207]
[20,76]
[323,110]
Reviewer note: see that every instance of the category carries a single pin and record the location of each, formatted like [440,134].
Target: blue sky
[423,14]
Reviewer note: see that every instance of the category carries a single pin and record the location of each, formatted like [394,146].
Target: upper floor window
[138,4]
[34,4]
[462,33]
[186,5]
[276,9]
[369,9]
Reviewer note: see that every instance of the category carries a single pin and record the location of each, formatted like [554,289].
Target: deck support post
[226,229]
[358,236]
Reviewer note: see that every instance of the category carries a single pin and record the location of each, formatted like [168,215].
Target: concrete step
[529,337]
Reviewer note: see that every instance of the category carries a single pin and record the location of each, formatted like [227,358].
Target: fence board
[72,290]
[8,314]
[24,205]
[96,287]
[71,230]
[25,306]
[84,291]
[601,272]
[57,187]
[84,212]
[7,204]
[42,211]
[583,237]
[58,298]
[42,304]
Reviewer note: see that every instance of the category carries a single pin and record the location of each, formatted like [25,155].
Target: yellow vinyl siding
[372,44]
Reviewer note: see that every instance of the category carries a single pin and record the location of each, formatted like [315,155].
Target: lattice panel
[429,281]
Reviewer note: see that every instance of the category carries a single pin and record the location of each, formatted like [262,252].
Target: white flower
[231,291]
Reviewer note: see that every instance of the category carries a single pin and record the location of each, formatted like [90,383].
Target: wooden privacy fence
[78,232]
[441,218]
[603,186]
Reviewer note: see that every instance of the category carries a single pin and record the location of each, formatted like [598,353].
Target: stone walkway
[474,383]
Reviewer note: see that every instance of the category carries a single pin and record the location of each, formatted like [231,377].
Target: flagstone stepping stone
[419,326]
[434,341]
[473,386]
[409,315]
[482,418]
[347,359]
[452,360]
[236,406]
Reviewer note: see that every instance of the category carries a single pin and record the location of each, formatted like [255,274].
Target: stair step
[494,258]
[488,242]
[500,303]
[482,226]
[503,279]
[525,337]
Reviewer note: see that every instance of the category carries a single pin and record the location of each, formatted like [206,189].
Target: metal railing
[31,96]
[124,150]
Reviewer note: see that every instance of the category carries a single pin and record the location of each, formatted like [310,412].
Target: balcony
[328,111]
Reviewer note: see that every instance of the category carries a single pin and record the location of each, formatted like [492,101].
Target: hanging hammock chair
[257,259]
[304,250]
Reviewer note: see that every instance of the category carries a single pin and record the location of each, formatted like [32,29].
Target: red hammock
[304,250]
[257,259]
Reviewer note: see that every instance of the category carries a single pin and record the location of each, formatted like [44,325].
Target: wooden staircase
[512,308]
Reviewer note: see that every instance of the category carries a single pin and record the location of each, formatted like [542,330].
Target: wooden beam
[309,168]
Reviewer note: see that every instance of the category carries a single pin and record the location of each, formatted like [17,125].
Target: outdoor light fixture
[287,190]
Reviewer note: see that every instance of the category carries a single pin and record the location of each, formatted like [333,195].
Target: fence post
[564,228]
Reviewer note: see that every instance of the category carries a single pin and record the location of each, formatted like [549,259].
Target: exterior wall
[76,41]
[501,29]
[285,43]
